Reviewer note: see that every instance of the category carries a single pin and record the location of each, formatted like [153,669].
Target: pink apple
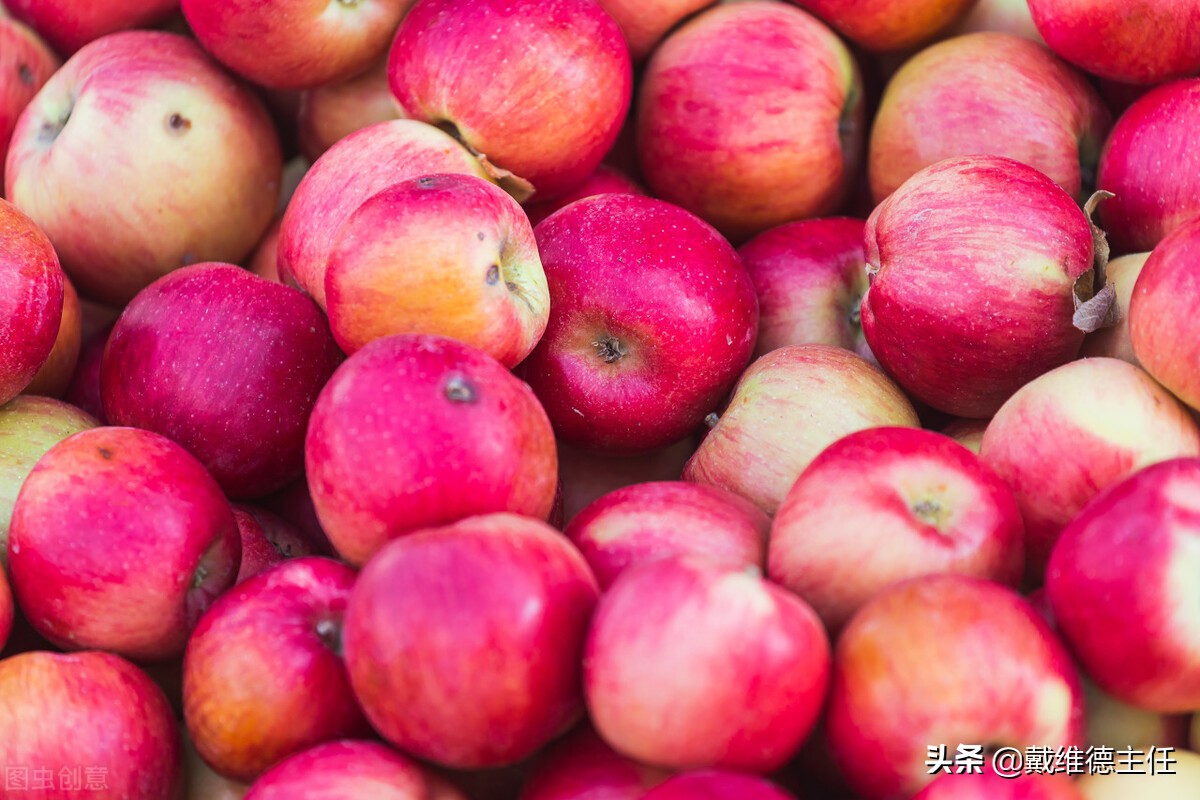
[646,23]
[1115,342]
[1073,432]
[225,363]
[945,660]
[182,163]
[294,505]
[584,477]
[652,317]
[990,786]
[517,597]
[120,540]
[350,770]
[967,432]
[89,724]
[55,375]
[1116,579]
[295,44]
[31,300]
[68,24]
[418,431]
[267,541]
[1180,782]
[965,308]
[333,111]
[83,391]
[264,261]
[1000,16]
[582,766]
[605,180]
[537,87]
[649,521]
[716,784]
[881,506]
[26,63]
[789,406]
[750,115]
[810,277]
[887,25]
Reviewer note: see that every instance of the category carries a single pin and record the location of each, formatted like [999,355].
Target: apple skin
[750,116]
[1184,784]
[357,167]
[1067,435]
[1000,16]
[582,766]
[263,678]
[645,24]
[333,111]
[295,44]
[151,119]
[294,505]
[810,277]
[136,494]
[350,770]
[90,711]
[584,477]
[26,62]
[967,432]
[965,308]
[205,784]
[919,503]
[745,705]
[1002,679]
[649,521]
[716,784]
[55,375]
[887,25]
[68,25]
[605,180]
[451,255]
[225,363]
[518,596]
[652,318]
[1131,41]
[264,261]
[459,436]
[83,391]
[988,93]
[538,87]
[1115,580]
[787,407]
[1151,202]
[7,610]
[267,540]
[1116,342]
[990,786]
[1112,723]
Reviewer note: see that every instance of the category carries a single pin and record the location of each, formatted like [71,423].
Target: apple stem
[711,420]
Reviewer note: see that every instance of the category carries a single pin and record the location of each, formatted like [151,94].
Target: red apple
[789,406]
[26,63]
[537,87]
[887,25]
[120,540]
[68,24]
[264,261]
[1117,580]
[83,391]
[1000,16]
[1115,342]
[584,477]
[881,506]
[582,766]
[295,44]
[294,505]
[750,115]
[1075,431]
[605,180]
[350,770]
[1181,781]
[715,784]
[810,277]
[333,111]
[967,432]
[967,307]
[991,786]
[418,431]
[86,724]
[267,540]
[647,22]
[31,300]
[652,317]
[517,597]
[946,660]
[55,375]
[7,610]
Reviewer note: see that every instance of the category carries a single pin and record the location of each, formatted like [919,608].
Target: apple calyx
[929,511]
[520,189]
[460,390]
[329,631]
[1096,308]
[610,348]
[177,123]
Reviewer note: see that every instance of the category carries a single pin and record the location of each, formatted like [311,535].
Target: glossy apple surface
[990,786]
[267,540]
[887,25]
[68,25]
[26,63]
[605,180]
[55,375]
[581,766]
[715,784]
[331,112]
[646,22]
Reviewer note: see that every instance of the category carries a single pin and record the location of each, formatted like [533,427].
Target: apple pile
[600,399]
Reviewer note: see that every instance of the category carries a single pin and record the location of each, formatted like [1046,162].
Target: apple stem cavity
[1095,296]
[520,189]
[330,634]
[610,348]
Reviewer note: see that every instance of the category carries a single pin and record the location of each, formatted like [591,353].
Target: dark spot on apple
[178,123]
[188,258]
[481,236]
[610,348]
[425,182]
[512,287]
[106,454]
[856,314]
[25,73]
[330,634]
[493,275]
[460,390]
[930,511]
[199,576]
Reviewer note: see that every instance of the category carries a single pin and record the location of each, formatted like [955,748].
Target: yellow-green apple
[1115,580]
[518,597]
[331,112]
[264,261]
[966,307]
[582,765]
[120,540]
[584,477]
[789,406]
[263,677]
[31,300]
[68,25]
[988,785]
[810,277]
[750,115]
[357,167]
[1115,724]
[1000,16]
[1131,41]
[884,505]
[652,317]
[203,783]
[87,724]
[267,540]
[55,375]
[26,63]
[416,431]
[716,784]
[225,363]
[1146,777]
[183,164]
[988,93]
[350,770]
[538,88]
[83,391]
[1115,341]
[649,521]
[451,255]
[887,25]
[647,22]
[967,432]
[946,660]
[295,44]
[605,180]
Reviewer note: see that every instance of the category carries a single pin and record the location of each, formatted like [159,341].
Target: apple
[55,375]
[1131,41]
[120,540]
[716,784]
[1067,435]
[652,317]
[1002,679]
[991,786]
[1115,342]
[789,406]
[1001,16]
[26,63]
[582,766]
[1112,723]
[293,504]
[205,784]
[810,277]
[885,505]
[267,541]
[295,44]
[539,88]
[1169,776]
[332,111]
[264,261]
[605,180]
[888,25]
[965,307]
[967,432]
[750,115]
[517,597]
[584,477]
[416,431]
[83,391]
[350,770]
[649,521]
[86,724]
[648,22]
[988,93]
[7,610]
[68,25]
[1115,581]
